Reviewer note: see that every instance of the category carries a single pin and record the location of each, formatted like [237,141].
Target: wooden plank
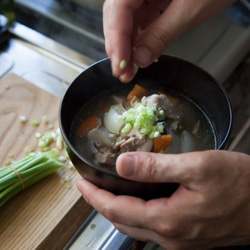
[48,208]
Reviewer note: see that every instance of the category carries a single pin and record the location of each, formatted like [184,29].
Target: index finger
[118,25]
[135,212]
[114,208]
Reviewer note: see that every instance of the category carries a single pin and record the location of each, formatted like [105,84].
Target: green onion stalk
[25,172]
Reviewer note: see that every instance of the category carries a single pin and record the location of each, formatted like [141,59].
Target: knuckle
[168,230]
[150,164]
[201,165]
[198,170]
[108,48]
[161,38]
[120,228]
[108,213]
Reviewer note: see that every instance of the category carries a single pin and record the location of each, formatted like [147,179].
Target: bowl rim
[114,174]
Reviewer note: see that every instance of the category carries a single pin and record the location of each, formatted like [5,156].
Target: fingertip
[126,165]
[118,67]
[87,189]
[130,73]
[84,187]
[120,59]
[79,185]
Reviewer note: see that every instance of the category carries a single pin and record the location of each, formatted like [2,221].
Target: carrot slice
[161,143]
[87,125]
[105,109]
[171,99]
[137,92]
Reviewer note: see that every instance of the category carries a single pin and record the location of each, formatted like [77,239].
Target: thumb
[178,17]
[152,167]
[158,35]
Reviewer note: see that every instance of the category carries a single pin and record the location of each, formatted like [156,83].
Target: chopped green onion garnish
[45,119]
[126,128]
[51,126]
[38,135]
[10,155]
[27,150]
[22,118]
[35,123]
[144,119]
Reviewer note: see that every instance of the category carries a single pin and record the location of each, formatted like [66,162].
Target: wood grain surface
[47,214]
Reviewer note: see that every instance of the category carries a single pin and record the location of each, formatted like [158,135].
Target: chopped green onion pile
[25,172]
[145,119]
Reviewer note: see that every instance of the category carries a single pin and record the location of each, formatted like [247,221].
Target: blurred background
[78,25]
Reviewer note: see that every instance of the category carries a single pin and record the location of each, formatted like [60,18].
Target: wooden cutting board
[47,214]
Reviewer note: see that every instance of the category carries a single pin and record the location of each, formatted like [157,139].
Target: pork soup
[140,120]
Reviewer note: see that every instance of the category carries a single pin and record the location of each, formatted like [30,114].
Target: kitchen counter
[36,79]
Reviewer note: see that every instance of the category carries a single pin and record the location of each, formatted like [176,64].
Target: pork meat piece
[106,157]
[165,104]
[146,146]
[131,144]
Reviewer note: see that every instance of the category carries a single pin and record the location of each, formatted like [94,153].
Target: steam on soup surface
[140,120]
